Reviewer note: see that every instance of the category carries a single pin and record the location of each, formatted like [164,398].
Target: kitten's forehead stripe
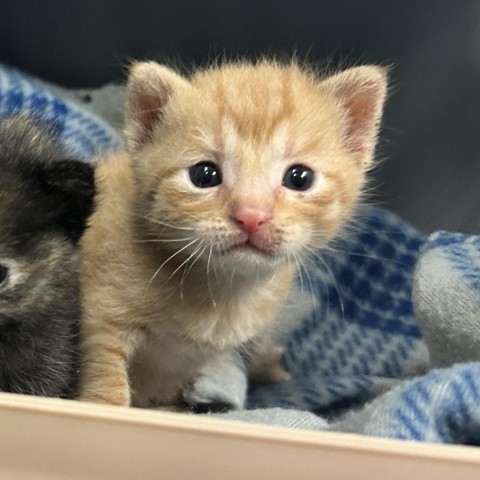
[259,101]
[256,102]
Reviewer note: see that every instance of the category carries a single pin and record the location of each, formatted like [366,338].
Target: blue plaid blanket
[82,133]
[367,359]
[362,334]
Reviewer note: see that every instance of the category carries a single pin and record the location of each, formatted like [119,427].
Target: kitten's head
[250,164]
[45,199]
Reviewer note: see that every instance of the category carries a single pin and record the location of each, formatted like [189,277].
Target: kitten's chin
[246,257]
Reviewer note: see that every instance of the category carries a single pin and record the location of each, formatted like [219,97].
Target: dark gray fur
[45,199]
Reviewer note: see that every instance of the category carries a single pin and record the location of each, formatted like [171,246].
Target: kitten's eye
[3,274]
[298,177]
[205,175]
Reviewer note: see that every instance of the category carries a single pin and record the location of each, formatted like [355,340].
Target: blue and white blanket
[359,361]
[82,133]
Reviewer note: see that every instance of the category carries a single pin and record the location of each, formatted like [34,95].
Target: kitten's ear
[71,184]
[149,88]
[361,92]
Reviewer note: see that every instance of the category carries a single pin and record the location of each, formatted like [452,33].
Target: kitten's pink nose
[250,219]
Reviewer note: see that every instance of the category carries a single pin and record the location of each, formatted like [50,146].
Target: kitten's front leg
[105,349]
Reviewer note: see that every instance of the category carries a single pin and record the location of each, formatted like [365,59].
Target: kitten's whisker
[160,240]
[187,271]
[163,223]
[335,284]
[274,276]
[358,254]
[208,278]
[231,278]
[316,304]
[169,225]
[326,245]
[215,271]
[299,270]
[181,265]
[168,259]
[305,269]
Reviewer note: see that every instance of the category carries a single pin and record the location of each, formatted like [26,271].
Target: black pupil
[298,177]
[3,273]
[205,175]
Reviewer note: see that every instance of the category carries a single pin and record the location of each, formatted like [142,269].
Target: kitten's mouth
[248,246]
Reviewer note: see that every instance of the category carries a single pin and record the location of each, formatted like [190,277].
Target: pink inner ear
[147,109]
[149,113]
[360,92]
[361,123]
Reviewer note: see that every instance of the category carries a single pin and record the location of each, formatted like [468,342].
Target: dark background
[430,169]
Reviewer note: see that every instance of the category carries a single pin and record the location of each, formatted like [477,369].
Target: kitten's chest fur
[179,337]
[177,325]
[162,364]
[212,312]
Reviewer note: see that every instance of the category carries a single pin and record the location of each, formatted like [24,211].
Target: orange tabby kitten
[230,177]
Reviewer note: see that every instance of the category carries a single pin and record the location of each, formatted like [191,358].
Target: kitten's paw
[209,394]
[220,386]
[218,407]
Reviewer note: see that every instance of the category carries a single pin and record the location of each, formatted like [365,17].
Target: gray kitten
[45,199]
